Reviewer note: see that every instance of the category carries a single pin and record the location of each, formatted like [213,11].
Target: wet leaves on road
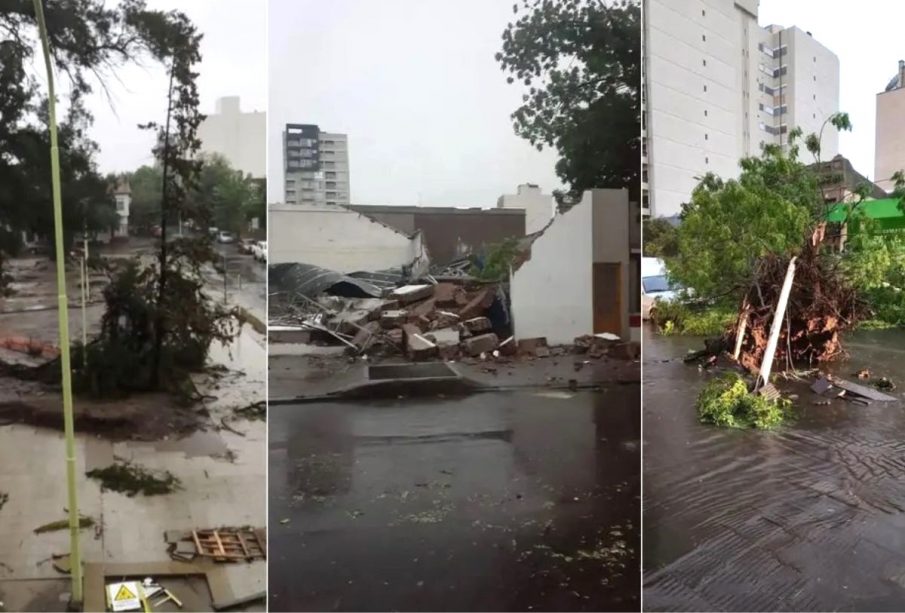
[132,479]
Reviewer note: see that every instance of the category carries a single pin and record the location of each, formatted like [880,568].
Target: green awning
[887,208]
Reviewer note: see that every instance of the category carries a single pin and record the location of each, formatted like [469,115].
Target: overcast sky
[233,62]
[867,38]
[415,86]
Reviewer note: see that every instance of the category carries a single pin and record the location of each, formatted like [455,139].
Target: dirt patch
[132,479]
[145,417]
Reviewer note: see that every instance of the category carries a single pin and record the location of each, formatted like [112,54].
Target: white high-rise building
[316,166]
[718,86]
[238,136]
[889,144]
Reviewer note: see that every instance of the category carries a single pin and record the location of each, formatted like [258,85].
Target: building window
[705,87]
[706,136]
[703,13]
[331,203]
[331,175]
[704,62]
[704,37]
[705,112]
[706,160]
[331,184]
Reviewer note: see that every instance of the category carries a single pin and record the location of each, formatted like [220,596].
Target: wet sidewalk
[808,517]
[498,501]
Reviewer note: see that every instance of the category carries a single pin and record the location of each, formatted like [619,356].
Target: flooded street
[808,517]
[496,501]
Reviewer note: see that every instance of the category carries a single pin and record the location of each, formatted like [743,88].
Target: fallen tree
[822,304]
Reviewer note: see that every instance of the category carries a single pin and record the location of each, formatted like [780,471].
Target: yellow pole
[75,556]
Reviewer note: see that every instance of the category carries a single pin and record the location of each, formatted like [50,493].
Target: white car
[259,251]
[655,285]
[225,237]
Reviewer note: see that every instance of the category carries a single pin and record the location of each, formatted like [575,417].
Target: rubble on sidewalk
[440,316]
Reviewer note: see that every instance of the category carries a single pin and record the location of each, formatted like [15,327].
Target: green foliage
[235,198]
[675,317]
[496,261]
[661,238]
[580,61]
[89,39]
[729,224]
[121,360]
[144,212]
[725,402]
[131,479]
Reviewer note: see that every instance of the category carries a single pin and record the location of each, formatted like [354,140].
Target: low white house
[339,239]
[122,193]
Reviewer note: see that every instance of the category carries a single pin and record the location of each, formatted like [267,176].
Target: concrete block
[625,351]
[393,318]
[479,303]
[366,335]
[423,309]
[418,347]
[408,294]
[477,345]
[528,346]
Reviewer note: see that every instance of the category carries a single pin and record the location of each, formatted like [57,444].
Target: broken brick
[408,294]
[418,347]
[477,345]
[448,294]
[528,346]
[477,324]
[479,303]
[366,335]
[423,309]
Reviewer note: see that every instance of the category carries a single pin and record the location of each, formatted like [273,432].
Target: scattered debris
[63,524]
[256,411]
[131,480]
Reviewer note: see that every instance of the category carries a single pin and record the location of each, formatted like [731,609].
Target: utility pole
[75,556]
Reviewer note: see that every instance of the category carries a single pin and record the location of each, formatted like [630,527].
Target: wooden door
[607,297]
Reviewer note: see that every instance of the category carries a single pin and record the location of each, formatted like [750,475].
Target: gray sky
[233,62]
[415,86]
[866,36]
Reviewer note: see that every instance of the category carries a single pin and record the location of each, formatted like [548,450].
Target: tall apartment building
[316,166]
[889,143]
[718,86]
[238,136]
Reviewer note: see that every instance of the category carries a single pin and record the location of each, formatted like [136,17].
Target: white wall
[337,239]
[537,205]
[551,292]
[237,136]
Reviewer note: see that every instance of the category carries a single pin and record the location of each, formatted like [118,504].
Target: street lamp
[75,556]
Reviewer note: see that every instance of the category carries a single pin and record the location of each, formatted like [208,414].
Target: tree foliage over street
[89,41]
[580,62]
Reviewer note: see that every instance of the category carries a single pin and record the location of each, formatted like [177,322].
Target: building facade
[315,166]
[538,206]
[718,87]
[889,144]
[122,195]
[238,136]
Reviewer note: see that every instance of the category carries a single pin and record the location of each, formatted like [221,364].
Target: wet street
[808,517]
[502,501]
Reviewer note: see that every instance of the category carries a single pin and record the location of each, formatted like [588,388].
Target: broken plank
[862,390]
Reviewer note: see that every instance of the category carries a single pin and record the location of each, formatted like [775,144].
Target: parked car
[259,251]
[246,246]
[655,286]
[225,237]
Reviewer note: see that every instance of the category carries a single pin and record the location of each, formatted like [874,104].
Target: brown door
[607,291]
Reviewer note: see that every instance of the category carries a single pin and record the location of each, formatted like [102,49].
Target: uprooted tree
[159,323]
[736,241]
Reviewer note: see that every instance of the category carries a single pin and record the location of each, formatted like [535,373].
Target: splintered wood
[229,545]
[821,305]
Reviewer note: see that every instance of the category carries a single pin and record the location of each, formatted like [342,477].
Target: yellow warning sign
[124,594]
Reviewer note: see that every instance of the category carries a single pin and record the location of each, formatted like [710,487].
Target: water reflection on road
[809,517]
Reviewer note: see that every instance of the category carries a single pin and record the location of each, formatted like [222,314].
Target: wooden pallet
[230,544]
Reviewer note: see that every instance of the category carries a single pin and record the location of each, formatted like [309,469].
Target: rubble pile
[821,305]
[421,321]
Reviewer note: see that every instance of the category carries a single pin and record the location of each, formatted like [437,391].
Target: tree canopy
[581,63]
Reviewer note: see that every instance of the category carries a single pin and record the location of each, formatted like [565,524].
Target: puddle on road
[493,501]
[810,516]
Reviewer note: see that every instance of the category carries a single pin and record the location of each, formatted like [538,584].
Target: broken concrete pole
[408,294]
[476,325]
[448,294]
[417,347]
[393,319]
[767,364]
[476,345]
